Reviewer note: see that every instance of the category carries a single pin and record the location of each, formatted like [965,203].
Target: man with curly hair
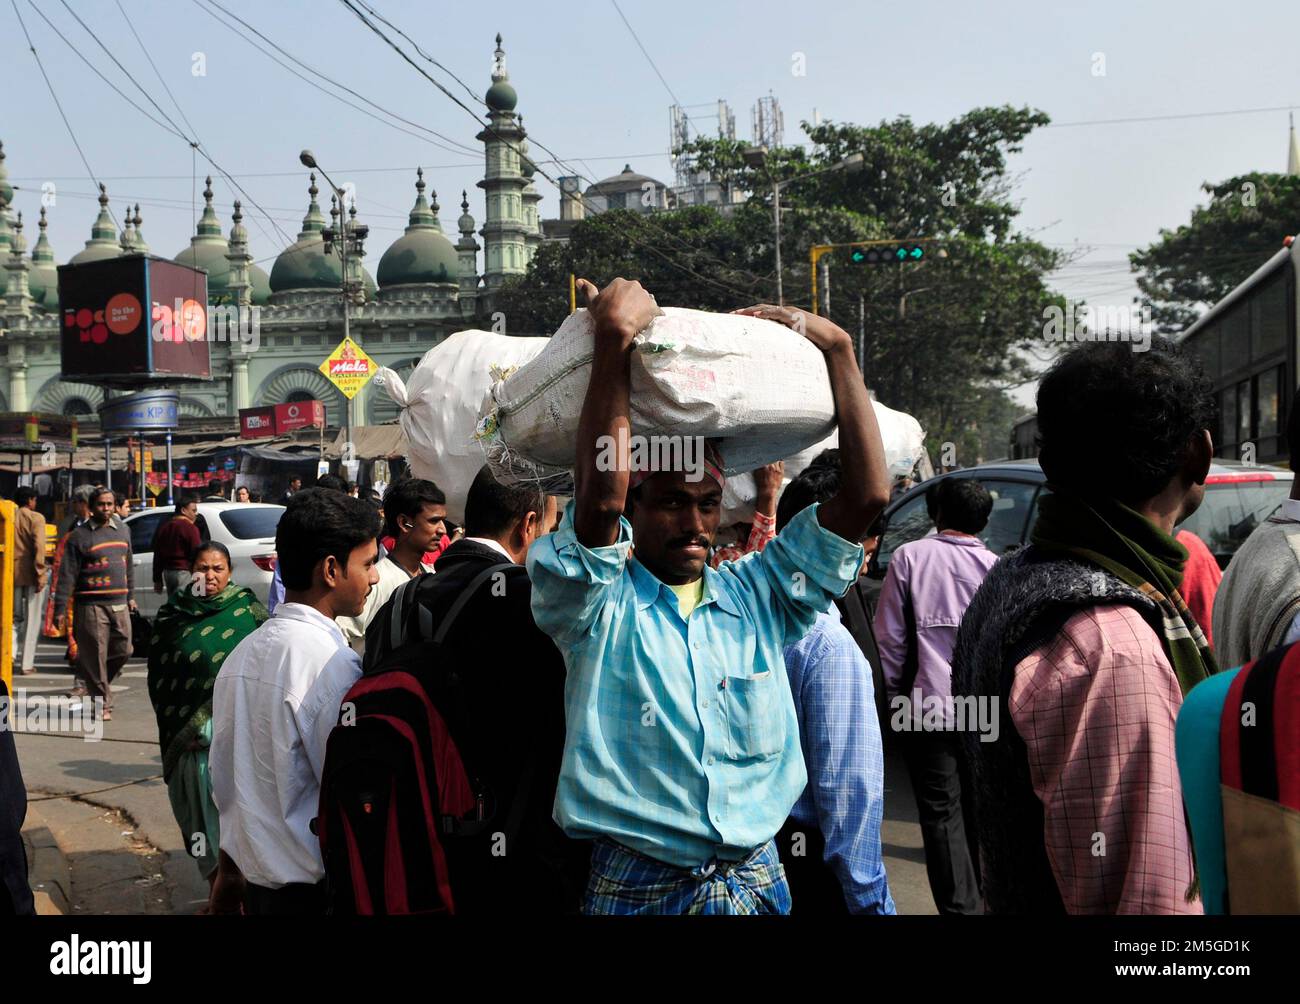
[1083,646]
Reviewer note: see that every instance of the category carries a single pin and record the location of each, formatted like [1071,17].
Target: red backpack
[398,788]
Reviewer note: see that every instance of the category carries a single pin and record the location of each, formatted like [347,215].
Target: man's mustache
[687,541]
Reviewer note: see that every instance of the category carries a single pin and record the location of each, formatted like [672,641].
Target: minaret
[1293,150]
[531,197]
[467,255]
[6,199]
[505,242]
[43,280]
[127,237]
[313,222]
[140,244]
[104,241]
[18,307]
[240,285]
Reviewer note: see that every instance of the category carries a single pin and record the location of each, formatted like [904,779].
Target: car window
[1231,510]
[1012,503]
[143,529]
[250,524]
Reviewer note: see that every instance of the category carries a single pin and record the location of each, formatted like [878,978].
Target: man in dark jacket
[513,704]
[15,893]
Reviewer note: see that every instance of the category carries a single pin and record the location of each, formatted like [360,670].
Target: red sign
[255,422]
[276,420]
[299,415]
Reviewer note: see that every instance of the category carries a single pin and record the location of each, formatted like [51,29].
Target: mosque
[426,287]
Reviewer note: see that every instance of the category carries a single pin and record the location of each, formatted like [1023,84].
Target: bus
[1247,344]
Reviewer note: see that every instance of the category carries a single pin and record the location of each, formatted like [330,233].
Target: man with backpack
[275,701]
[682,756]
[455,660]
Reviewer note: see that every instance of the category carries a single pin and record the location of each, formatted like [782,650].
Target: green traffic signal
[881,254]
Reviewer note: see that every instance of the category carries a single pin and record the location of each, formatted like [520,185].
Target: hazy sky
[587,92]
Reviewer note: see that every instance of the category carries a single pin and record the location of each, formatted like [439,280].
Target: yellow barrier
[7,511]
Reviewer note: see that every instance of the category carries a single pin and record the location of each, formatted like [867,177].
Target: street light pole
[340,240]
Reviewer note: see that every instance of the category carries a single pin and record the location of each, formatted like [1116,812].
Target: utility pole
[776,219]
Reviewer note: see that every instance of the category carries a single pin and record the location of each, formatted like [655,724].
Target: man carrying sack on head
[682,755]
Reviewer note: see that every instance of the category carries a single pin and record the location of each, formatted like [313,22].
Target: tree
[1195,266]
[940,338]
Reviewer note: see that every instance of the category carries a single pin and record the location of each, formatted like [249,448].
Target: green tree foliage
[942,339]
[1241,227]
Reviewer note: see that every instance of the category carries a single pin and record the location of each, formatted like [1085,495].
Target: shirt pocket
[756,719]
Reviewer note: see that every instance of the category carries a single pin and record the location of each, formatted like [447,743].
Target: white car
[246,528]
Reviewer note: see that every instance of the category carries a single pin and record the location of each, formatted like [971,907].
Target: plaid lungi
[624,882]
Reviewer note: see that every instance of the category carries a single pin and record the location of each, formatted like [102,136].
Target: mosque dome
[422,253]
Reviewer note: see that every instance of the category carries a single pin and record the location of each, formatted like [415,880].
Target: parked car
[1238,497]
[247,529]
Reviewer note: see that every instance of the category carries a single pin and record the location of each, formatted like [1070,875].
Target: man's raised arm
[864,489]
[620,311]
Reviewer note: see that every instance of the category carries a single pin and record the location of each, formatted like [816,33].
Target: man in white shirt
[415,512]
[275,702]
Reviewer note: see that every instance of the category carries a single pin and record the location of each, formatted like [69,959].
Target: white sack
[900,433]
[441,401]
[755,387]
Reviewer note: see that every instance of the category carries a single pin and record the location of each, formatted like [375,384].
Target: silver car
[246,528]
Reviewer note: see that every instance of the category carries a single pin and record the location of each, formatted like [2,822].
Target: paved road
[123,842]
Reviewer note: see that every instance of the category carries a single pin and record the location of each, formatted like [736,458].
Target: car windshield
[1231,510]
[251,523]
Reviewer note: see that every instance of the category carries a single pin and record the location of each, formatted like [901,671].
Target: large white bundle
[758,389]
[900,433]
[441,401]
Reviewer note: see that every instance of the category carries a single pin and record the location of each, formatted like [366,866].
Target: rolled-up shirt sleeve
[572,582]
[798,574]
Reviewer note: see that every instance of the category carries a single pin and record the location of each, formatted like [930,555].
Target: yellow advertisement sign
[348,368]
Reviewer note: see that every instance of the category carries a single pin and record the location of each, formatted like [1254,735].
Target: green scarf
[192,635]
[1109,534]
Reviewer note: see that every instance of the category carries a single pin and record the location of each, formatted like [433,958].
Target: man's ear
[1200,456]
[330,571]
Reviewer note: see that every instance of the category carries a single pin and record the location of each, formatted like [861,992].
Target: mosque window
[77,406]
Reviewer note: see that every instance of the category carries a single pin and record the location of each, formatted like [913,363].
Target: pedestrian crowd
[586,704]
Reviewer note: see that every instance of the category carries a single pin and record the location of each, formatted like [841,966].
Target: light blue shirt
[835,700]
[681,740]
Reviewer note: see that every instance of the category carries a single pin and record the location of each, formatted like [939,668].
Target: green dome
[422,253]
[103,241]
[43,278]
[304,263]
[6,189]
[208,249]
[501,97]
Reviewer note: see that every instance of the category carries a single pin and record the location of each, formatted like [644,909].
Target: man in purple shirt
[928,585]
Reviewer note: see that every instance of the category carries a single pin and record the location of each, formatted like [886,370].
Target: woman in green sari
[193,633]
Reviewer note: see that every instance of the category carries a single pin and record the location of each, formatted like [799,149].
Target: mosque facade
[426,287]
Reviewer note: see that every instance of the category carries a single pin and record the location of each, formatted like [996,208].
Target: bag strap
[465,596]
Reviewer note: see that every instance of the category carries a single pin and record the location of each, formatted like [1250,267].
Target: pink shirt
[1096,707]
[942,573]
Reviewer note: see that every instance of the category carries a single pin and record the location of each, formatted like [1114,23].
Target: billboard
[255,422]
[133,319]
[299,415]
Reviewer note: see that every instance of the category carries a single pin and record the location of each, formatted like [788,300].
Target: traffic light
[881,254]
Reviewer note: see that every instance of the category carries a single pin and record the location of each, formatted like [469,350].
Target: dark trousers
[950,839]
[297,899]
[103,646]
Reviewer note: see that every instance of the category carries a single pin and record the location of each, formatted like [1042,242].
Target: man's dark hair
[215,486]
[491,508]
[331,482]
[99,490]
[818,482]
[23,495]
[406,498]
[184,500]
[963,503]
[118,498]
[318,523]
[1116,422]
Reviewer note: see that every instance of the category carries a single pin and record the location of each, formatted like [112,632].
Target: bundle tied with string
[756,389]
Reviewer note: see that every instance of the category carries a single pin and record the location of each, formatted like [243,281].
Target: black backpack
[401,798]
